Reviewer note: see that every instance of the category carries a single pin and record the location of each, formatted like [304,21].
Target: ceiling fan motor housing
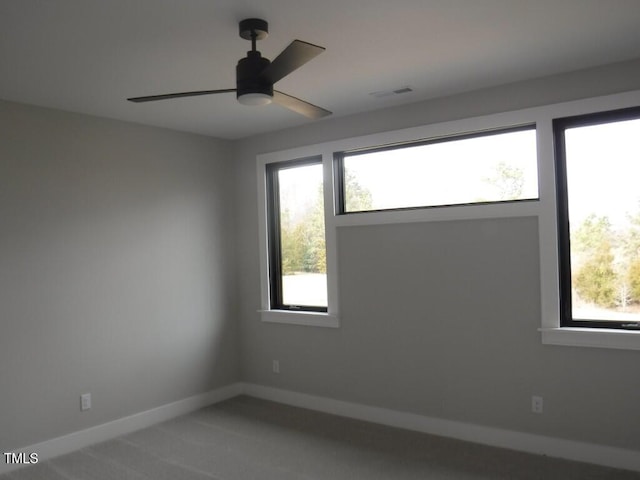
[248,75]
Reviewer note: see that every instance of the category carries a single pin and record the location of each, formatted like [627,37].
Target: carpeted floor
[245,438]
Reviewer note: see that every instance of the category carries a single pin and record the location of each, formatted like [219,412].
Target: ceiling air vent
[388,93]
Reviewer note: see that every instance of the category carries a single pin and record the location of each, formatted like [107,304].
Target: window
[296,235]
[536,162]
[598,198]
[484,167]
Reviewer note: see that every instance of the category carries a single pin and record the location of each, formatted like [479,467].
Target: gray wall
[441,318]
[129,269]
[116,270]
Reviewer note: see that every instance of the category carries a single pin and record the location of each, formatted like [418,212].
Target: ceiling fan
[256,75]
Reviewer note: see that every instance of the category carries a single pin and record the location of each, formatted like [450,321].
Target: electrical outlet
[536,404]
[276,366]
[85,401]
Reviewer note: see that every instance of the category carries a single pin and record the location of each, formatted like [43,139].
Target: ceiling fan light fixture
[255,75]
[255,99]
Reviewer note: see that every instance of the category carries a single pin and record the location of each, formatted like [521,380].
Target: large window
[485,167]
[569,165]
[297,251]
[598,180]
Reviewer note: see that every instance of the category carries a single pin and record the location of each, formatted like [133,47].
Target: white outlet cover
[85,401]
[536,404]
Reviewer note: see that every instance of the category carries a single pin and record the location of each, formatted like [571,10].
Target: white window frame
[552,333]
[544,209]
[267,314]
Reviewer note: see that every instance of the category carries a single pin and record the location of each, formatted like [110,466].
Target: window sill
[309,319]
[592,337]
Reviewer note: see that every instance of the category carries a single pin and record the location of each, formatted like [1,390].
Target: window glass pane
[302,236]
[487,168]
[603,173]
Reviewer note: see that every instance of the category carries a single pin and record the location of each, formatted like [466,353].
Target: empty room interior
[340,239]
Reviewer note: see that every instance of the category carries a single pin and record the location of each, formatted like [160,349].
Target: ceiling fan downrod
[252,87]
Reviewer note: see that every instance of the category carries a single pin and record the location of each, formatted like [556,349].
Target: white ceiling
[88,56]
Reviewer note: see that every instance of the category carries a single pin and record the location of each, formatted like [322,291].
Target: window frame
[339,167]
[276,300]
[545,210]
[560,125]
[271,313]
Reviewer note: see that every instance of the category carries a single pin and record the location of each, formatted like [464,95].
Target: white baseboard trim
[525,442]
[122,426]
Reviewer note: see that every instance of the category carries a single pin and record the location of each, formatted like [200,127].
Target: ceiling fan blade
[299,106]
[294,56]
[167,96]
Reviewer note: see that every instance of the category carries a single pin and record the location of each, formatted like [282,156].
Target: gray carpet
[245,438]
